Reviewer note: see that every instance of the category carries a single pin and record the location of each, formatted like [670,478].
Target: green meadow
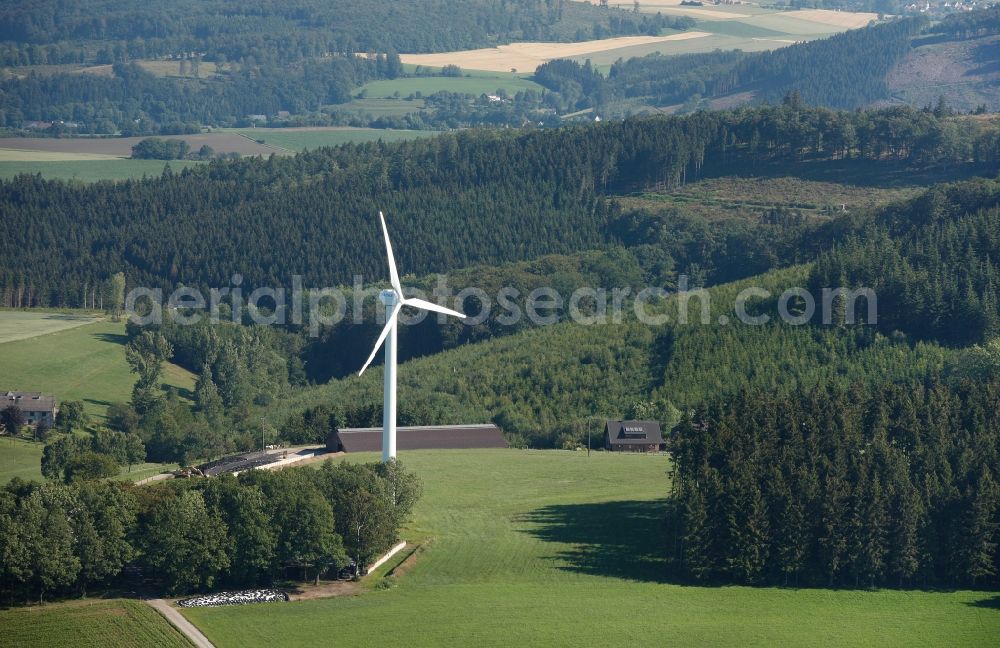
[92,170]
[84,363]
[20,458]
[477,84]
[554,548]
[113,623]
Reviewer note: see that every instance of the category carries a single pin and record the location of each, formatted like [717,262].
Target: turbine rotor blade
[393,275]
[381,338]
[431,306]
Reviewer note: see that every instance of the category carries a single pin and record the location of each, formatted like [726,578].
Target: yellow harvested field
[22,155]
[525,57]
[845,19]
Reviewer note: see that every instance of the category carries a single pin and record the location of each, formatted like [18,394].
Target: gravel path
[177,620]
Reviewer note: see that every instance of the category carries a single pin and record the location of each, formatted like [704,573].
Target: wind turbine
[394,301]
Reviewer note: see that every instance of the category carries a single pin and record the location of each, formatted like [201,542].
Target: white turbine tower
[394,302]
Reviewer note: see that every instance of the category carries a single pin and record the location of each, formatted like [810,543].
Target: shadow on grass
[624,539]
[114,338]
[991,603]
[69,317]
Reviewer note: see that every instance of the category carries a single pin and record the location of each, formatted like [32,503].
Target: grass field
[92,170]
[19,458]
[380,107]
[299,139]
[115,623]
[475,85]
[84,363]
[20,325]
[552,548]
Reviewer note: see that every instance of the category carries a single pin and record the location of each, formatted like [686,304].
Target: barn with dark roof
[423,437]
[633,436]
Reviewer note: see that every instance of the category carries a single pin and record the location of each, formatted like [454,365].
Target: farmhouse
[633,436]
[35,407]
[418,438]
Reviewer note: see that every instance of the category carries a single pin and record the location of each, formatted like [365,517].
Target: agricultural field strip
[528,56]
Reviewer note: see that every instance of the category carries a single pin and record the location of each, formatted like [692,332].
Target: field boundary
[385,558]
[277,149]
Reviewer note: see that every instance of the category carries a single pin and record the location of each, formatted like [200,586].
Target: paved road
[177,620]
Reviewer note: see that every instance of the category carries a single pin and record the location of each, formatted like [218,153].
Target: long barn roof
[424,437]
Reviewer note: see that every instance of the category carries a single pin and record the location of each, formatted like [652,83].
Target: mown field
[114,623]
[19,325]
[84,363]
[552,548]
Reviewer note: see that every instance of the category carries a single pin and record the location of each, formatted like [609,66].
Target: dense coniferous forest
[63,539]
[932,263]
[492,197]
[888,486]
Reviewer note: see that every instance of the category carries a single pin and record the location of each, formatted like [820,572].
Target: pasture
[113,623]
[557,549]
[84,363]
[21,325]
[20,458]
[93,170]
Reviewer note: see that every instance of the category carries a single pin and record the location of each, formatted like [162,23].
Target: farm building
[35,407]
[633,436]
[418,438]
[236,463]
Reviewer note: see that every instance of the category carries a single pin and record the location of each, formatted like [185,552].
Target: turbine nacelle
[394,301]
[389,297]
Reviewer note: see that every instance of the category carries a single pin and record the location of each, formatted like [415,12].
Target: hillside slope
[965,72]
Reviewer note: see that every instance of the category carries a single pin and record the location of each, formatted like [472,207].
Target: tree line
[543,192]
[890,486]
[256,529]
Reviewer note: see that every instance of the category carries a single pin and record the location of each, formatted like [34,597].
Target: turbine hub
[388,297]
